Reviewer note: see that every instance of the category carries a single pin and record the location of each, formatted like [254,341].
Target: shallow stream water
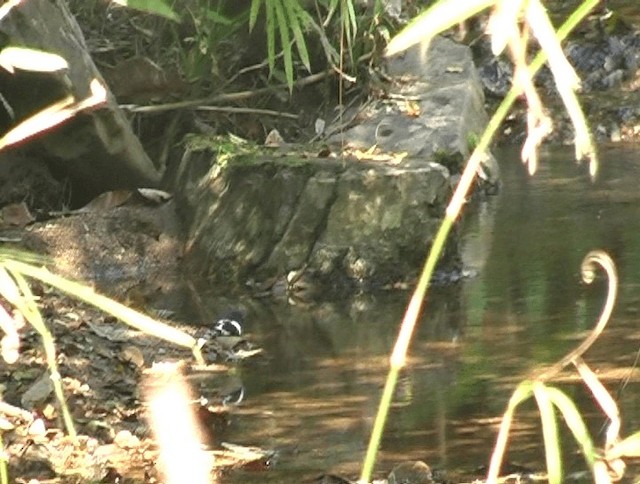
[313,394]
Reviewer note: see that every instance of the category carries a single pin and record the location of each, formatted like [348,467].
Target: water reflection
[313,395]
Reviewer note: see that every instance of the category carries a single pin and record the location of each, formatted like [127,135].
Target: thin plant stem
[398,357]
[4,460]
[32,314]
[129,316]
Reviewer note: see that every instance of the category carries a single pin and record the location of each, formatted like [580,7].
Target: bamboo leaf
[575,423]
[271,31]
[629,447]
[253,13]
[33,60]
[285,41]
[297,20]
[549,433]
[8,288]
[521,393]
[439,17]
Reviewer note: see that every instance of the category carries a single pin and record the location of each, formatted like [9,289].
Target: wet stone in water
[416,472]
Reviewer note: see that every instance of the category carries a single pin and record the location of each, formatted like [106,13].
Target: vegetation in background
[205,39]
[290,20]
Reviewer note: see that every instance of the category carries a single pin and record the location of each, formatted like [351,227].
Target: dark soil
[129,247]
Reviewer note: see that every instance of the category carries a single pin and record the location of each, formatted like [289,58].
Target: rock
[416,472]
[97,149]
[322,226]
[442,81]
[338,225]
[38,392]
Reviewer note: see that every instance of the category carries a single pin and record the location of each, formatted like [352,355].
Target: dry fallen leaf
[412,108]
[132,354]
[126,440]
[154,195]
[274,139]
[373,154]
[49,411]
[10,347]
[5,425]
[17,214]
[37,428]
[106,201]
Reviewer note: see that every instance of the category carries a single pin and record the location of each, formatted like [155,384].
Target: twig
[236,110]
[587,269]
[229,97]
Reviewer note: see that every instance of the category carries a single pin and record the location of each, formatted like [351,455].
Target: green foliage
[155,7]
[289,20]
[199,52]
[548,399]
[348,20]
[203,35]
[225,147]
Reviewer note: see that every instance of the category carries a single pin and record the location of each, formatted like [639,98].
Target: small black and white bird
[230,324]
[234,397]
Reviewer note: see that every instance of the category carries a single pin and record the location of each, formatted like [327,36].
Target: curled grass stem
[401,347]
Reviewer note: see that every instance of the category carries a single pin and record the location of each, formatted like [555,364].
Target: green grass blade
[271,35]
[628,447]
[549,433]
[439,17]
[216,17]
[521,393]
[156,7]
[29,309]
[297,20]
[400,349]
[604,399]
[331,10]
[572,417]
[253,13]
[285,41]
[351,20]
[7,253]
[379,424]
[129,316]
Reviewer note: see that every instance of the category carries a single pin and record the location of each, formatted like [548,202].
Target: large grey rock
[271,222]
[97,148]
[258,222]
[440,79]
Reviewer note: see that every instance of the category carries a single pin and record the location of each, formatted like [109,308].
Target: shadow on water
[313,395]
